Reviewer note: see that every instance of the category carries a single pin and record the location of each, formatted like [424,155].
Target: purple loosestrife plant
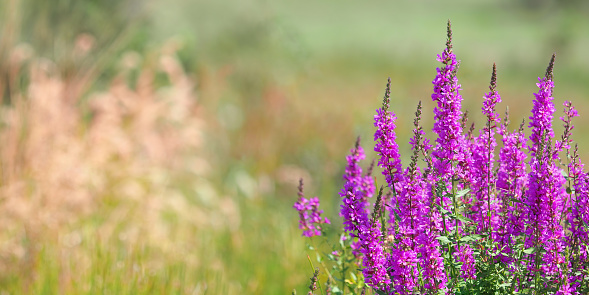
[511,180]
[449,154]
[412,207]
[468,219]
[357,189]
[355,194]
[545,198]
[310,220]
[578,219]
[387,149]
[482,177]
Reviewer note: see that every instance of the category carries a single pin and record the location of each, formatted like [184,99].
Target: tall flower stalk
[545,198]
[483,179]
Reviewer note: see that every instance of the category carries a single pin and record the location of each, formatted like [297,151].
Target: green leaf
[463,218]
[530,250]
[397,217]
[354,278]
[462,192]
[470,238]
[443,239]
[442,210]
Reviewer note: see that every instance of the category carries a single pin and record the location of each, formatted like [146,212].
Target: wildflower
[355,194]
[434,273]
[411,204]
[546,195]
[543,111]
[482,178]
[464,254]
[578,217]
[450,157]
[570,113]
[313,286]
[375,258]
[386,141]
[511,180]
[309,214]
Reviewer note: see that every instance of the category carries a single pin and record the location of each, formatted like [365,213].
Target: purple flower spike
[411,209]
[310,220]
[546,196]
[485,205]
[375,257]
[511,180]
[465,255]
[578,219]
[355,192]
[386,141]
[543,111]
[450,157]
[569,113]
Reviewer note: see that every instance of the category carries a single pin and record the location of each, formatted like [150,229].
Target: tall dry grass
[83,170]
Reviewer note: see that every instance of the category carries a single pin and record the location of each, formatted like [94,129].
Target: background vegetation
[155,146]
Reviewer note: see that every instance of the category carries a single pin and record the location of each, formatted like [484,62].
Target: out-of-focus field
[155,146]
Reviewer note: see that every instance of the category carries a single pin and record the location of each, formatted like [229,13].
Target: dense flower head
[578,219]
[546,196]
[355,193]
[449,154]
[482,178]
[464,254]
[432,262]
[543,111]
[374,258]
[310,219]
[512,178]
[386,141]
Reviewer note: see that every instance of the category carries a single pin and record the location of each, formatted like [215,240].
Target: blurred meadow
[155,146]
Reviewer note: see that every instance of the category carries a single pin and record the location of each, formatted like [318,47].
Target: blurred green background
[285,87]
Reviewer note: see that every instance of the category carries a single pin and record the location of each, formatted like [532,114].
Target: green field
[155,146]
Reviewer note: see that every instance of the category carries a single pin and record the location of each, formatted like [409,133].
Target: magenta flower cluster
[310,220]
[470,201]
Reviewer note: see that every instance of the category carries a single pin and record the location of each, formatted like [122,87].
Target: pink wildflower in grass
[450,157]
[310,219]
